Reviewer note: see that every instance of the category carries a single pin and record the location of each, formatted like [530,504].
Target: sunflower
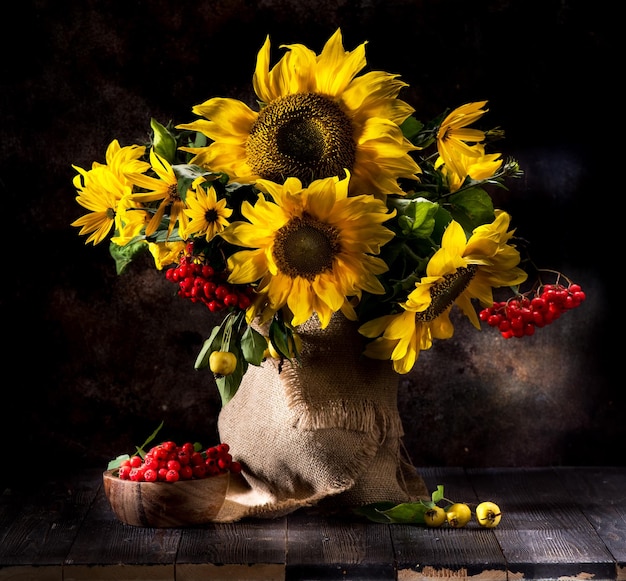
[163,189]
[317,119]
[102,189]
[461,270]
[403,337]
[312,248]
[454,135]
[207,215]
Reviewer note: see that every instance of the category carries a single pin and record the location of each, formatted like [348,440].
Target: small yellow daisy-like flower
[312,248]
[207,215]
[461,270]
[454,136]
[163,189]
[102,189]
[318,119]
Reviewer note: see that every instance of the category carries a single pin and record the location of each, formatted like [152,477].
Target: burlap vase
[326,433]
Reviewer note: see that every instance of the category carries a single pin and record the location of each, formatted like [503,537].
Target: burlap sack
[327,432]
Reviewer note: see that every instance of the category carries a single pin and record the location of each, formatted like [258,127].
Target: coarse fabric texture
[326,432]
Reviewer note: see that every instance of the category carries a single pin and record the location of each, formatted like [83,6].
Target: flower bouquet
[334,231]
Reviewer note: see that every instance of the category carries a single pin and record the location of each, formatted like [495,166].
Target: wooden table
[558,523]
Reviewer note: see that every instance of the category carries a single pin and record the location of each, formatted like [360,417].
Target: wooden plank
[109,550]
[253,549]
[543,532]
[471,552]
[600,492]
[11,501]
[323,546]
[37,540]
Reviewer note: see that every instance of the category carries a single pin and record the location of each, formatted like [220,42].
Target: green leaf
[471,208]
[188,173]
[161,234]
[164,142]
[374,512]
[152,436]
[411,128]
[227,337]
[253,346]
[202,360]
[281,337]
[437,495]
[117,462]
[200,140]
[416,217]
[228,385]
[407,513]
[124,255]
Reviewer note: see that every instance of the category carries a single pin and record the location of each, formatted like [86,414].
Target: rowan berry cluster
[201,283]
[168,462]
[521,315]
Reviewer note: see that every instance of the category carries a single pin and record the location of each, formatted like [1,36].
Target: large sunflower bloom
[102,189]
[461,270]
[317,119]
[454,136]
[207,215]
[312,248]
[163,189]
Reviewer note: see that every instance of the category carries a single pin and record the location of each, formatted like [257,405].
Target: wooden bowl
[166,504]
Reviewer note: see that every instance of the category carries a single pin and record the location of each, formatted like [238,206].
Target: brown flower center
[211,216]
[304,135]
[172,193]
[305,247]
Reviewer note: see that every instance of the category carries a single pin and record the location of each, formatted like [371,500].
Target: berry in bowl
[171,485]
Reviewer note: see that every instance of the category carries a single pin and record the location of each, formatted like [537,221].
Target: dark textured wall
[93,361]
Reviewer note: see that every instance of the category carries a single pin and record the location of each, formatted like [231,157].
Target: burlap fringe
[363,416]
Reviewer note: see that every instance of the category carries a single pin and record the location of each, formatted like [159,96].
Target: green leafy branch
[403,513]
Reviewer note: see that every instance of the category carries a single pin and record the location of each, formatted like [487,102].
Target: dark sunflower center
[444,293]
[172,192]
[305,247]
[304,135]
[211,216]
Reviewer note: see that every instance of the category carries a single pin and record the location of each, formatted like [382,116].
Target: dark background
[94,361]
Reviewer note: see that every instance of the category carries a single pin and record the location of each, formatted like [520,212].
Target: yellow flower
[317,119]
[479,167]
[453,135]
[102,189]
[461,270]
[207,215]
[125,160]
[165,253]
[312,248]
[403,337]
[131,221]
[163,188]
